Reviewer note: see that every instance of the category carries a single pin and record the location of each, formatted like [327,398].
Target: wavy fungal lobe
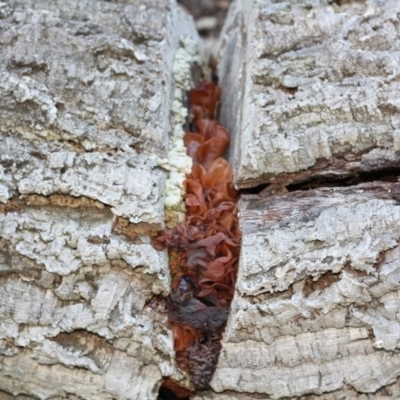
[204,250]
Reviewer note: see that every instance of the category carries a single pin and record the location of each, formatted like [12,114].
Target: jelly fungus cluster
[203,250]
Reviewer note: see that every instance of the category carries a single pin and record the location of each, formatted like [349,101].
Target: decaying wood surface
[92,73]
[309,91]
[80,308]
[85,103]
[389,392]
[132,184]
[311,88]
[317,297]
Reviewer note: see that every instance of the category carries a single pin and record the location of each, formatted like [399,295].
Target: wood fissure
[204,250]
[93,167]
[121,225]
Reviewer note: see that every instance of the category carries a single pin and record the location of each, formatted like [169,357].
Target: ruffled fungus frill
[204,250]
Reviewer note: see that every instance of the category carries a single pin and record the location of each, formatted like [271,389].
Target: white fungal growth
[179,164]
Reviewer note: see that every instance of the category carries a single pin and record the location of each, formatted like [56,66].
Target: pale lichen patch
[179,164]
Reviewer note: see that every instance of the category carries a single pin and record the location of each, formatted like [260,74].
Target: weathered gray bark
[88,103]
[389,392]
[311,89]
[86,94]
[317,294]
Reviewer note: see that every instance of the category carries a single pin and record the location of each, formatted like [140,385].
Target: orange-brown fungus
[204,249]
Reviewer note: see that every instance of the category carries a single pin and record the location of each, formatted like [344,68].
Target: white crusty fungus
[179,164]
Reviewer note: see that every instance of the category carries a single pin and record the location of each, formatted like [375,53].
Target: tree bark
[309,95]
[86,95]
[90,117]
[316,300]
[310,89]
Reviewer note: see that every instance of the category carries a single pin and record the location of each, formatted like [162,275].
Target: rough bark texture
[310,88]
[95,73]
[389,392]
[310,91]
[86,93]
[316,306]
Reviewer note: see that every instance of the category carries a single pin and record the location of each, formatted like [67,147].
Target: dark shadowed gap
[343,2]
[386,175]
[168,394]
[209,15]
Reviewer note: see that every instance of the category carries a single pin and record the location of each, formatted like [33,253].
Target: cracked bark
[85,106]
[314,310]
[309,92]
[310,89]
[314,296]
